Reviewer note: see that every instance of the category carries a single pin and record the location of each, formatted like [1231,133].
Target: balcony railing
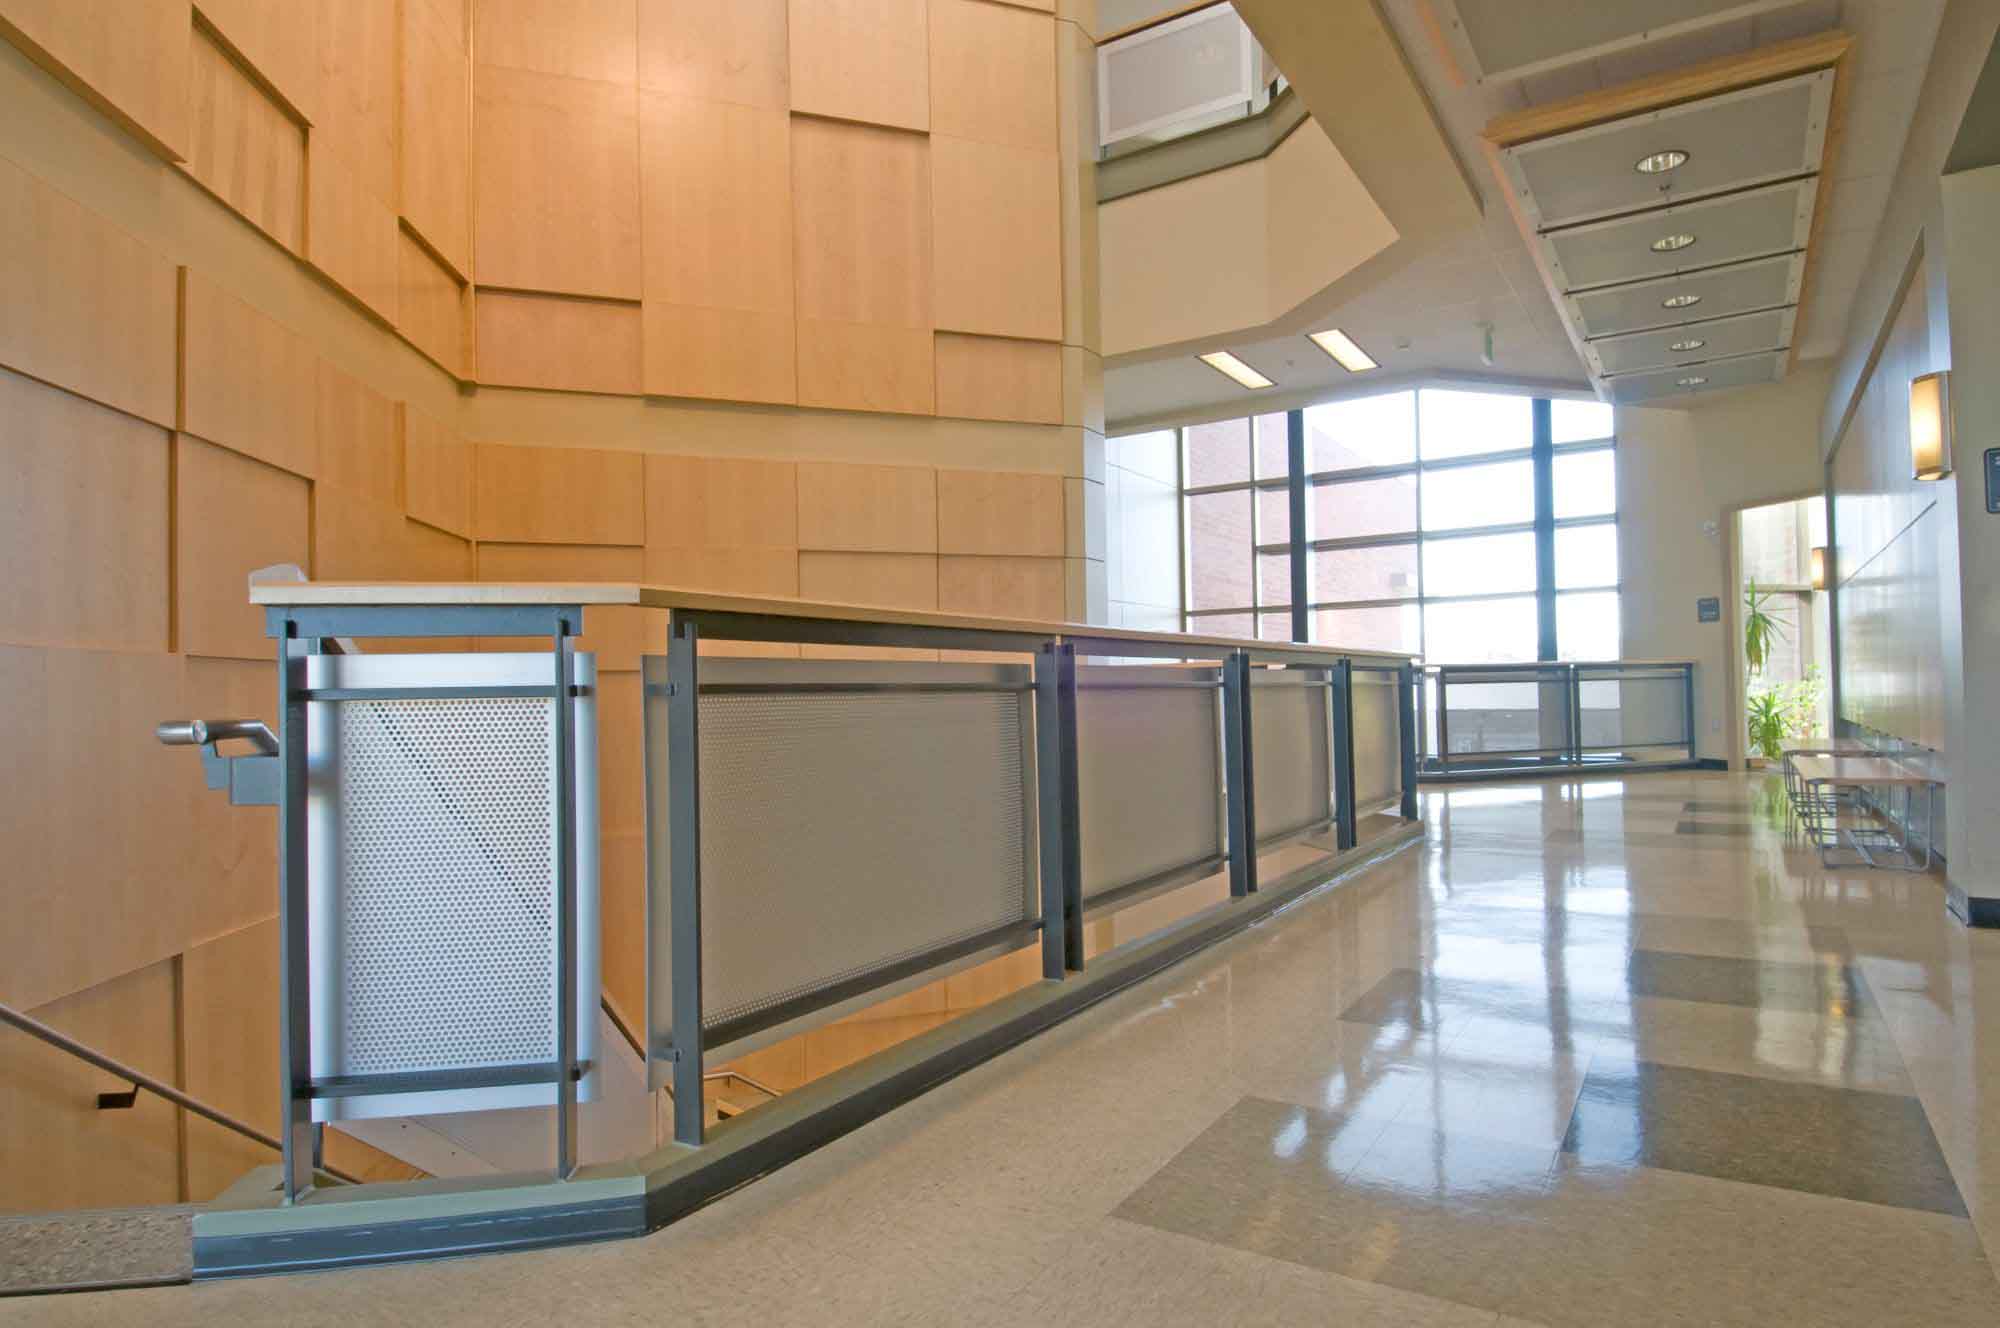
[1482,720]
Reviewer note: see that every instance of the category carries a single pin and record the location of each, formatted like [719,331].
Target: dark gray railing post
[1444,725]
[1238,765]
[1575,691]
[295,1130]
[1341,679]
[1406,726]
[684,890]
[563,633]
[1058,822]
[1687,674]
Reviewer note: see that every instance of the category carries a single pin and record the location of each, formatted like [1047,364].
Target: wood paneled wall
[607,199]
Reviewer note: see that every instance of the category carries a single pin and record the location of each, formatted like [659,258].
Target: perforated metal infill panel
[1293,775]
[843,831]
[431,839]
[1149,771]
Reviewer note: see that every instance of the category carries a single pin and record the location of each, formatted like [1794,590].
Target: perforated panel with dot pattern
[445,893]
[841,832]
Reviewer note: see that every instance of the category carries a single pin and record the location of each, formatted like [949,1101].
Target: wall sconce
[1819,567]
[1930,425]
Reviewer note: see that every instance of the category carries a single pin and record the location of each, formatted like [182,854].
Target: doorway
[1781,650]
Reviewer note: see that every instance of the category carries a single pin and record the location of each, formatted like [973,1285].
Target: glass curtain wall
[1429,526]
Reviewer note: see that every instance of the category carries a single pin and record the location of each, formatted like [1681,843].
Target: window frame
[1300,485]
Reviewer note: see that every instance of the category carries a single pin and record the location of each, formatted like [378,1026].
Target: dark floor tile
[1832,987]
[1718,808]
[1711,828]
[1872,1147]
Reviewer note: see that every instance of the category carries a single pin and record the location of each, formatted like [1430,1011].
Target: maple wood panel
[435,198]
[559,342]
[248,382]
[87,306]
[864,60]
[594,39]
[999,378]
[556,183]
[83,522]
[993,74]
[129,58]
[437,473]
[720,502]
[559,495]
[985,511]
[1002,587]
[243,146]
[998,220]
[433,307]
[861,209]
[360,444]
[881,509]
[233,516]
[270,38]
[359,75]
[733,53]
[886,580]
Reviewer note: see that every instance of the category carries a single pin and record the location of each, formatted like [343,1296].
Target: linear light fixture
[1224,363]
[1930,425]
[1341,346]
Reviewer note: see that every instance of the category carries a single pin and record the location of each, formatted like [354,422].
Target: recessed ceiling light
[1666,244]
[1692,343]
[1692,380]
[1659,163]
[1341,346]
[1680,302]
[1224,363]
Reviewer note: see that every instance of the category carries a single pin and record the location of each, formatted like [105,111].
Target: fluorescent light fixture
[1930,425]
[1341,346]
[1819,567]
[1224,363]
[1680,302]
[1667,244]
[1692,343]
[1659,163]
[1692,380]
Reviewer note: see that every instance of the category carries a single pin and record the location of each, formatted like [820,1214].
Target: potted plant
[1766,713]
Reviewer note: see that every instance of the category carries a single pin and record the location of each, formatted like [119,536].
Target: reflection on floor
[1599,1053]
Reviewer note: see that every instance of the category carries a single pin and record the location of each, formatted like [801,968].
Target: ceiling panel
[1762,283]
[1755,223]
[1755,136]
[1491,40]
[1681,347]
[1765,367]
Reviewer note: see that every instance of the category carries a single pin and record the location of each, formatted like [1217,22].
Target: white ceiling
[1430,316]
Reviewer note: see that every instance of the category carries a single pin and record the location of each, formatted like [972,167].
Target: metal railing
[139,1080]
[1490,720]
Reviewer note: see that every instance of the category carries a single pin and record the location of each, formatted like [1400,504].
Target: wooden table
[1824,778]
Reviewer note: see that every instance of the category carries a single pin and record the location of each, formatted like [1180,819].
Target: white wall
[1143,531]
[1680,469]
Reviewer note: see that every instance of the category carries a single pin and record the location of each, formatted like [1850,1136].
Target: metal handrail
[34,1027]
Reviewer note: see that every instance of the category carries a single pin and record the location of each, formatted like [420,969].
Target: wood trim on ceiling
[1710,78]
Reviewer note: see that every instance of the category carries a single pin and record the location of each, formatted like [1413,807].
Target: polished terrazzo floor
[1602,1053]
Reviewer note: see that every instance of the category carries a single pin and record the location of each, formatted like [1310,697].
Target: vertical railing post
[684,892]
[295,1133]
[563,634]
[1687,707]
[1058,823]
[1575,691]
[1444,725]
[1407,722]
[1238,766]
[1341,679]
